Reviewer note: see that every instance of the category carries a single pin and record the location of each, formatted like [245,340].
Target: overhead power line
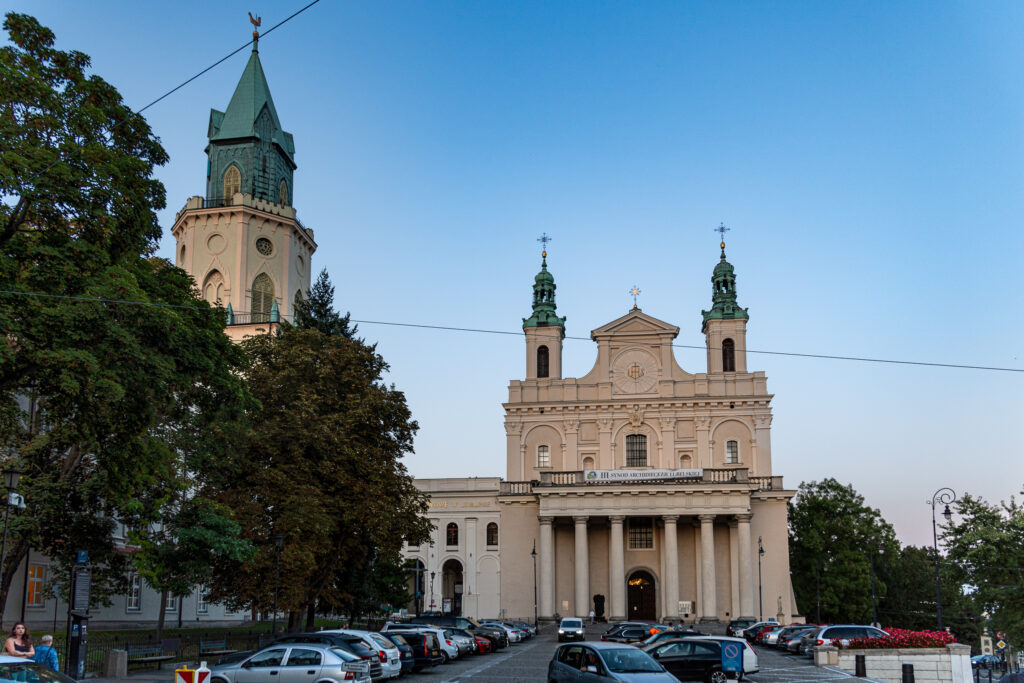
[478,330]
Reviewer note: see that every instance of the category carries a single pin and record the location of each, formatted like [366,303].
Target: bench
[214,647]
[153,654]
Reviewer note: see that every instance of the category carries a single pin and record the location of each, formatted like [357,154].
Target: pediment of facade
[634,324]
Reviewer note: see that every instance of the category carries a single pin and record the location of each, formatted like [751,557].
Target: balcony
[699,479]
[253,318]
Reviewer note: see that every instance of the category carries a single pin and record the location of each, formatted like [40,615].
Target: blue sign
[83,557]
[732,657]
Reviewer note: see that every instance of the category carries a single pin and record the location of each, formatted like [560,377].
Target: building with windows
[641,490]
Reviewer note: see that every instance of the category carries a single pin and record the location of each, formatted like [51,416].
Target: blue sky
[866,156]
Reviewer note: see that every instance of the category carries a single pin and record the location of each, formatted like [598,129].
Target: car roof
[7,659]
[598,645]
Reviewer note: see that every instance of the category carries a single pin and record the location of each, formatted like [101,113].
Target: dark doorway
[641,602]
[451,592]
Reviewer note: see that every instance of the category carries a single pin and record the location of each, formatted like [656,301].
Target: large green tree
[833,538]
[323,471]
[110,362]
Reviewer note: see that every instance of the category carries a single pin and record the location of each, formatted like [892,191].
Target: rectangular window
[543,456]
[732,452]
[172,602]
[636,450]
[36,572]
[134,602]
[202,607]
[641,534]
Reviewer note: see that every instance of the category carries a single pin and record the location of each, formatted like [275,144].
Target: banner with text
[599,476]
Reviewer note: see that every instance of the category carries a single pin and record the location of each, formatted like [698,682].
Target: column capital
[670,518]
[707,518]
[744,518]
[580,519]
[616,519]
[546,520]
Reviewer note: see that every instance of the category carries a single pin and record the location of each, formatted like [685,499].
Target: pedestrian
[19,644]
[46,654]
[591,616]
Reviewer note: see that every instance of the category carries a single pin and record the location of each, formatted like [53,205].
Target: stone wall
[949,664]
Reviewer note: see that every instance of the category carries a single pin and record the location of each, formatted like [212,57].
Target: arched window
[542,361]
[732,452]
[282,193]
[636,450]
[213,287]
[492,534]
[728,356]
[262,298]
[232,182]
[451,534]
[543,456]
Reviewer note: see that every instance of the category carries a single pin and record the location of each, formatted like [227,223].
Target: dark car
[351,643]
[666,635]
[408,661]
[790,632]
[737,626]
[426,651]
[497,636]
[690,660]
[630,634]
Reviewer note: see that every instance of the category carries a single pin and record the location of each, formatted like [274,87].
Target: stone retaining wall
[949,664]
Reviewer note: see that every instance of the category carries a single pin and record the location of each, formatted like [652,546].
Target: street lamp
[533,554]
[760,596]
[278,541]
[874,603]
[11,477]
[433,605]
[945,496]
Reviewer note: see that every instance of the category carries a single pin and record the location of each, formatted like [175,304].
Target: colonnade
[707,581]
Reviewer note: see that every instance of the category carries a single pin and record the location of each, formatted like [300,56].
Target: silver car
[298,661]
[604,662]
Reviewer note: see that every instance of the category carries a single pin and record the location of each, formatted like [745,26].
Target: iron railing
[707,476]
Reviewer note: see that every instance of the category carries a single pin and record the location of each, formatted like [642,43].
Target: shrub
[902,638]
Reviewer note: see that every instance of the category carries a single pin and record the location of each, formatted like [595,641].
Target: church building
[641,490]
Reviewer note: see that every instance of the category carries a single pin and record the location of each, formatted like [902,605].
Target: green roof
[251,94]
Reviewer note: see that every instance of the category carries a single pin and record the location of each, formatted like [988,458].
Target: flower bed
[900,638]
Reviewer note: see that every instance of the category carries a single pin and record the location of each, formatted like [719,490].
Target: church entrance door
[640,597]
[452,588]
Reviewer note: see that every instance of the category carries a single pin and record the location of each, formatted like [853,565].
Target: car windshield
[30,671]
[344,655]
[629,660]
[571,623]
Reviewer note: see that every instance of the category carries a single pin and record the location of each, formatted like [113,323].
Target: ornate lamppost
[433,605]
[760,596]
[945,496]
[11,477]
[533,554]
[278,541]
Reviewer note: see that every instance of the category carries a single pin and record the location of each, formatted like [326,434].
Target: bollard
[908,673]
[860,666]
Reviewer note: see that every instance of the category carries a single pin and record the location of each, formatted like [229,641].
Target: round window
[264,246]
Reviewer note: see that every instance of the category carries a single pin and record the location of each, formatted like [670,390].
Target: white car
[750,663]
[571,629]
[514,634]
[390,655]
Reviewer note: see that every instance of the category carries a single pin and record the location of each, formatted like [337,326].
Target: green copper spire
[250,137]
[544,299]
[723,297]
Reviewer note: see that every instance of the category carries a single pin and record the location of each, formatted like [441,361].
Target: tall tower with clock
[242,242]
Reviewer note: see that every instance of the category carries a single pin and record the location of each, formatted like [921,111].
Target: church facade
[641,490]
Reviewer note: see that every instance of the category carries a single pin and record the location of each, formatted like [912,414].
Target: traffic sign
[732,657]
[1001,644]
[1000,635]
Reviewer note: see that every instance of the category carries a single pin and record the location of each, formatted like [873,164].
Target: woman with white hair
[46,654]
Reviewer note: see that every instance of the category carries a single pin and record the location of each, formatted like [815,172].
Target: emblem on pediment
[635,372]
[636,417]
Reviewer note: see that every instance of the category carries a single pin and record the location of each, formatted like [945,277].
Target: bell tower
[725,325]
[544,329]
[242,242]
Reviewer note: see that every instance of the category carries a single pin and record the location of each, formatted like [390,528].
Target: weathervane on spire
[635,292]
[544,239]
[721,229]
[256,24]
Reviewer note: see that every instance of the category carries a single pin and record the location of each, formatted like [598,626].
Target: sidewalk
[165,675]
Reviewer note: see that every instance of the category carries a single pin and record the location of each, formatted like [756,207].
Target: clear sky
[867,157]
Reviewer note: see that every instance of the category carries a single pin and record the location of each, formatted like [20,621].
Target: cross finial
[721,230]
[635,292]
[544,239]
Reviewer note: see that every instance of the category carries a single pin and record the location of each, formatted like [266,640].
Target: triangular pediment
[635,323]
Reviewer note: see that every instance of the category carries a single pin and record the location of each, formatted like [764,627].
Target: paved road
[777,667]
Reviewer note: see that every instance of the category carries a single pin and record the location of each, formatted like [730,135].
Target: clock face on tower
[635,372]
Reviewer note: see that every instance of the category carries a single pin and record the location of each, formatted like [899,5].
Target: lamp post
[533,554]
[11,477]
[278,541]
[433,605]
[944,496]
[874,603]
[760,596]
[817,582]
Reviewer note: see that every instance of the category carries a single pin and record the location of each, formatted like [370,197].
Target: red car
[482,644]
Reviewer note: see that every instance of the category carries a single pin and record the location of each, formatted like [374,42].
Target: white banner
[598,476]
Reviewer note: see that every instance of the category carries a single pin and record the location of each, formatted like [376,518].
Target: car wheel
[444,657]
[717,676]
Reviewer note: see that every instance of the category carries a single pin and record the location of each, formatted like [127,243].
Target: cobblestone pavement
[777,667]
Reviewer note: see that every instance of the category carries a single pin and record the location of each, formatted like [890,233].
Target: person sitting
[19,644]
[46,654]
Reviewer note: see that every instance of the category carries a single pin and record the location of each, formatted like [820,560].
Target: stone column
[709,611]
[547,567]
[746,567]
[582,568]
[671,568]
[617,571]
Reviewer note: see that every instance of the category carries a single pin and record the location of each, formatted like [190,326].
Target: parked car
[605,661]
[787,632]
[315,661]
[986,662]
[352,644]
[691,659]
[390,657]
[786,640]
[464,639]
[630,634]
[515,635]
[769,635]
[482,644]
[751,665]
[18,669]
[425,649]
[498,637]
[447,646]
[667,635]
[531,629]
[405,651]
[840,632]
[571,629]
[751,632]
[737,626]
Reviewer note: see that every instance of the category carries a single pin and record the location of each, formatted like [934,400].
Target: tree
[985,551]
[112,364]
[323,470]
[317,313]
[830,531]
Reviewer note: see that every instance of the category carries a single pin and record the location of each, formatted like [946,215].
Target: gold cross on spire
[635,292]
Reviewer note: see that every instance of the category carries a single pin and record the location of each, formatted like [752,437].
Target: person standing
[46,653]
[19,644]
